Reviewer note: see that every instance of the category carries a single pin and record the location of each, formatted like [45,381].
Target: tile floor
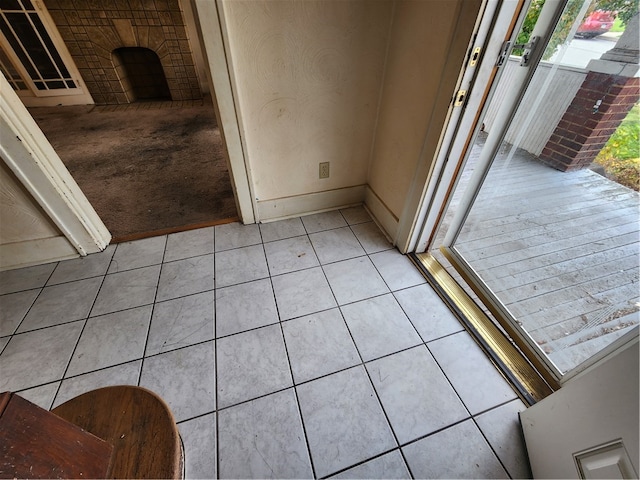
[302,348]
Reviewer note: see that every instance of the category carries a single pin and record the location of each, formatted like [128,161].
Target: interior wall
[307,78]
[411,110]
[27,235]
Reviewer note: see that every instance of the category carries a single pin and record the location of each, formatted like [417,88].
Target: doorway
[150,155]
[551,256]
[146,171]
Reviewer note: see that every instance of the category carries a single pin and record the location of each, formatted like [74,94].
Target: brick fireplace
[121,46]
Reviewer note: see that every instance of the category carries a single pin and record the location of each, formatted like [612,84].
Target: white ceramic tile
[111,339]
[343,420]
[290,255]
[302,293]
[355,215]
[397,270]
[355,279]
[245,306]
[184,378]
[92,265]
[263,438]
[13,308]
[415,394]
[379,327]
[371,238]
[282,229]
[34,358]
[457,452]
[319,344]
[139,253]
[199,438]
[191,243]
[128,289]
[42,396]
[335,245]
[390,465]
[25,278]
[235,235]
[471,373]
[428,313]
[184,277]
[181,322]
[240,265]
[251,364]
[323,221]
[125,374]
[62,303]
[501,428]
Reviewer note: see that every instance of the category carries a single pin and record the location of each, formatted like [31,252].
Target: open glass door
[552,255]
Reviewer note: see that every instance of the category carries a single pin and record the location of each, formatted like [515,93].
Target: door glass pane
[10,72]
[558,250]
[31,43]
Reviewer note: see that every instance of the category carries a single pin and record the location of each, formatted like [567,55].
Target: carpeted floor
[146,169]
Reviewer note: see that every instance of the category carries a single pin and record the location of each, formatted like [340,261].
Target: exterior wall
[307,78]
[584,130]
[92,29]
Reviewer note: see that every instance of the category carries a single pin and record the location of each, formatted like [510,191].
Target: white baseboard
[383,216]
[35,252]
[295,206]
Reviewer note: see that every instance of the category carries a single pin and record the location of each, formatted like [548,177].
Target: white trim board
[35,252]
[36,165]
[305,204]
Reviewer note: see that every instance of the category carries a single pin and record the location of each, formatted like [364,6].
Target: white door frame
[30,156]
[215,50]
[463,125]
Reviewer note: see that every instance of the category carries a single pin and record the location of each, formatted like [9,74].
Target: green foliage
[625,10]
[620,157]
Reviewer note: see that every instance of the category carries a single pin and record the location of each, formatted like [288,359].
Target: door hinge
[460,97]
[504,53]
[528,50]
[507,47]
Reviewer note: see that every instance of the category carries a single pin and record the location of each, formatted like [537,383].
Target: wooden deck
[561,250]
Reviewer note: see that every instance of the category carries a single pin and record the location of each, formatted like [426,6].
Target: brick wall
[583,129]
[93,29]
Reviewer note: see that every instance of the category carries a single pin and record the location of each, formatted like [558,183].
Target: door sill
[510,361]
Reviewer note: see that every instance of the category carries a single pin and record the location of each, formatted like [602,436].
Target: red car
[597,23]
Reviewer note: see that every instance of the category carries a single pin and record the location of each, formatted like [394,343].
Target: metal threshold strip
[516,368]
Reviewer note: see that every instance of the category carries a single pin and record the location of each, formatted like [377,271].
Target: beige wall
[307,80]
[417,87]
[356,83]
[27,235]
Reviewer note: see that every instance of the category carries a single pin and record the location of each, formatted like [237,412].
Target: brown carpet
[146,170]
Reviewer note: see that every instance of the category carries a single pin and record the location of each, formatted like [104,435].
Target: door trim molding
[215,50]
[32,159]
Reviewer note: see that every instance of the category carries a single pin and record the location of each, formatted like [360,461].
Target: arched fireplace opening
[141,74]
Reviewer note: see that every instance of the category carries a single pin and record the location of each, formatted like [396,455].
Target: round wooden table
[139,426]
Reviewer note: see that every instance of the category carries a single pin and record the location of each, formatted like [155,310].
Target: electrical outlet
[324,169]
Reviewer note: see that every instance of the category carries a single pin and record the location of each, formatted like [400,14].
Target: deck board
[560,249]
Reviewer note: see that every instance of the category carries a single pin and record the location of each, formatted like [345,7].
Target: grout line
[295,392]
